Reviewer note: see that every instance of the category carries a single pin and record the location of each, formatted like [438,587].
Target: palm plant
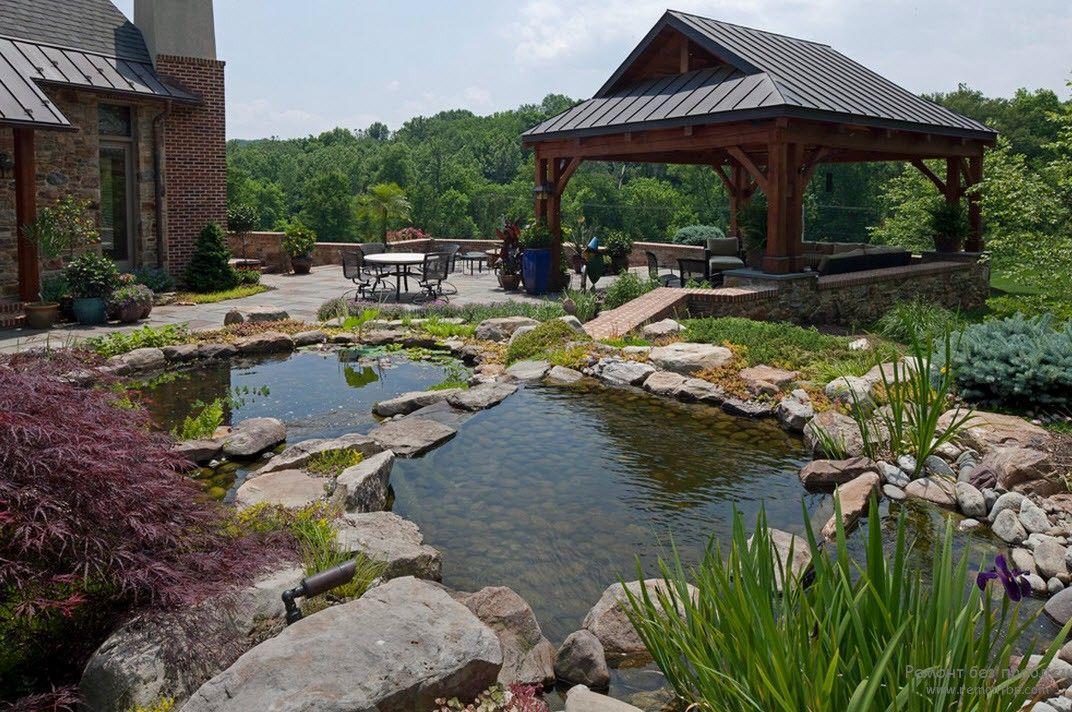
[876,636]
[384,203]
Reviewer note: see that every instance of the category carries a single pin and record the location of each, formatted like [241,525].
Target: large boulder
[1016,468]
[412,436]
[793,551]
[292,489]
[528,370]
[581,661]
[199,451]
[391,540]
[661,329]
[664,383]
[137,361]
[411,401]
[253,436]
[363,487]
[581,699]
[254,315]
[688,358]
[987,431]
[936,490]
[481,397]
[623,372]
[824,475]
[269,342]
[763,379]
[839,427]
[794,413]
[561,374]
[309,338]
[607,621]
[528,657]
[850,390]
[396,649]
[501,328]
[297,455]
[158,656]
[854,498]
[701,391]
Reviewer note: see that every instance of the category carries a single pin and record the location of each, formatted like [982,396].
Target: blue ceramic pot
[89,310]
[536,269]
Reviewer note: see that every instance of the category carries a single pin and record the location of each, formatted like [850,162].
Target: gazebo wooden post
[777,258]
[736,191]
[26,213]
[554,217]
[975,213]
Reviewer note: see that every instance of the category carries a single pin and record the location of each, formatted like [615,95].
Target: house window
[114,120]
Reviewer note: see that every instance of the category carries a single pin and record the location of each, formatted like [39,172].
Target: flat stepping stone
[363,487]
[481,397]
[747,408]
[296,456]
[659,329]
[528,370]
[623,372]
[199,451]
[443,413]
[411,401]
[561,374]
[392,540]
[255,315]
[412,436]
[689,358]
[253,436]
[292,489]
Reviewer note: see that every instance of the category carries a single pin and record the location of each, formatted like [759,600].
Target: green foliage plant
[880,634]
[155,278]
[585,303]
[209,269]
[627,287]
[698,234]
[536,236]
[445,329]
[917,319]
[543,338]
[91,275]
[121,342]
[383,204]
[298,240]
[203,423]
[1015,363]
[331,463]
[948,225]
[63,227]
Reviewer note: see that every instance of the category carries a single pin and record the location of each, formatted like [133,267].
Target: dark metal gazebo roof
[86,44]
[754,74]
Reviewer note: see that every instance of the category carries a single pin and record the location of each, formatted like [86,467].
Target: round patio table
[401,261]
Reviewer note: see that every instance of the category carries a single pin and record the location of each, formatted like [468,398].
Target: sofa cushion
[722,246]
[858,260]
[719,263]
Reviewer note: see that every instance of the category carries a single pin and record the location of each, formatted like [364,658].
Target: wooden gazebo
[763,110]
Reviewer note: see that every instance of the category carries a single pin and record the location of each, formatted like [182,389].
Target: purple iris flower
[1015,581]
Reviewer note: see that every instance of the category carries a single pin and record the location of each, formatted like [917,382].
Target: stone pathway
[301,296]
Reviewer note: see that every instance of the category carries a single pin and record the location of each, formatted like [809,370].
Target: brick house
[127,115]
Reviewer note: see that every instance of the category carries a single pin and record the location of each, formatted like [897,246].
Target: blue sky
[299,67]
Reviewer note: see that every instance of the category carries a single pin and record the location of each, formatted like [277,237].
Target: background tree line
[462,174]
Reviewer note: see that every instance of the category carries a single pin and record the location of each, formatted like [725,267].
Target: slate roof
[88,44]
[765,75]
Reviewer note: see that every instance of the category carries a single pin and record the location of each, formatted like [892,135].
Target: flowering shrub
[407,233]
[98,520]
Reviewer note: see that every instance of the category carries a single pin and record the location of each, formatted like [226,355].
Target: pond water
[558,491]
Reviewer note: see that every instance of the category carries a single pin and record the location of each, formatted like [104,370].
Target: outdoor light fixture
[315,585]
[543,191]
[7,163]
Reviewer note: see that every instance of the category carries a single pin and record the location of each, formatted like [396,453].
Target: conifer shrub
[1017,362]
[209,269]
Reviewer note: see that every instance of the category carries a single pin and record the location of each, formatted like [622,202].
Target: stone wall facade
[68,164]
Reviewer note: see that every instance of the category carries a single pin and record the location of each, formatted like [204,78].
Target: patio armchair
[721,254]
[653,270]
[353,269]
[451,249]
[434,272]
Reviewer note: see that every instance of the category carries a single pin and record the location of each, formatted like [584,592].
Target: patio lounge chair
[653,270]
[721,254]
[434,271]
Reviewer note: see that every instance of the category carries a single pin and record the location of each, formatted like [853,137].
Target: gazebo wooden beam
[753,170]
[26,213]
[922,168]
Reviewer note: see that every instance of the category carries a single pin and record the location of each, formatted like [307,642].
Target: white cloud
[259,117]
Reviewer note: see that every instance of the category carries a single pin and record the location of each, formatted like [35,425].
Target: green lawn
[244,290]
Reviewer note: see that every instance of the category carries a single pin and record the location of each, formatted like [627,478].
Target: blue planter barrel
[536,270]
[89,310]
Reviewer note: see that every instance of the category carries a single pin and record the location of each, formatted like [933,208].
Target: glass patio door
[117,209]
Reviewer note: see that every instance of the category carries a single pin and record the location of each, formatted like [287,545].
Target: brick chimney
[181,38]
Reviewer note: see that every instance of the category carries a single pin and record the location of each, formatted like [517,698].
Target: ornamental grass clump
[540,340]
[99,520]
[876,635]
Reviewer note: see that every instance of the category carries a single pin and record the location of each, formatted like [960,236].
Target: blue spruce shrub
[1016,362]
[697,234]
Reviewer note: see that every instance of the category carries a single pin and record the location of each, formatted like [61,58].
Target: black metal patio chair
[653,271]
[434,272]
[451,249]
[365,279]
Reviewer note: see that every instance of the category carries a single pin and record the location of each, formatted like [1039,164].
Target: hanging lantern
[543,191]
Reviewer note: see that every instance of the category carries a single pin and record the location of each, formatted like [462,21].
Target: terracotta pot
[619,263]
[301,265]
[129,313]
[509,282]
[41,315]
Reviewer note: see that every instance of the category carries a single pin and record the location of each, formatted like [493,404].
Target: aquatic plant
[874,635]
[203,424]
[98,519]
[917,319]
[445,330]
[540,340]
[1013,581]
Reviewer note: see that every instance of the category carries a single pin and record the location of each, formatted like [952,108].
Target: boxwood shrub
[1016,362]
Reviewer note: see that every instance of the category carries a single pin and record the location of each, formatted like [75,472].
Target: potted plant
[508,266]
[241,221]
[536,242]
[619,246]
[752,223]
[949,226]
[579,237]
[130,302]
[59,229]
[299,242]
[91,278]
